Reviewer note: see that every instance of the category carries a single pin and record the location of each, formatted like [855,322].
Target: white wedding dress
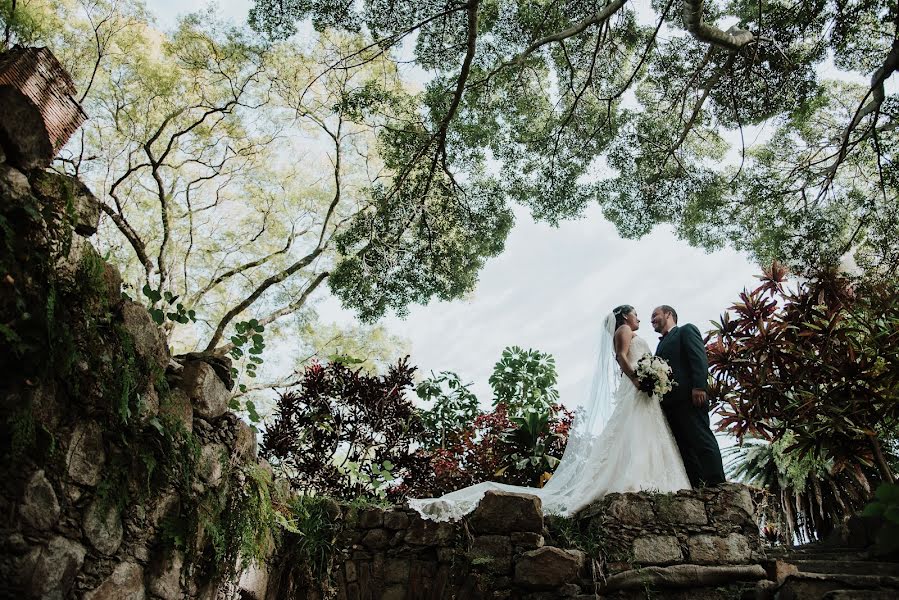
[630,450]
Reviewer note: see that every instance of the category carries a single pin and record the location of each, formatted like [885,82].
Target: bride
[629,450]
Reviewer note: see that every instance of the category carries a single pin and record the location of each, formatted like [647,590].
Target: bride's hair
[621,312]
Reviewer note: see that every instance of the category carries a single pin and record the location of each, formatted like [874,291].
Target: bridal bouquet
[654,376]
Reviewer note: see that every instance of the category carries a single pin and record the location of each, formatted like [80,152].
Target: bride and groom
[621,439]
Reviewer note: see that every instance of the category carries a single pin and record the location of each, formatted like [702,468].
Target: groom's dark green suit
[682,347]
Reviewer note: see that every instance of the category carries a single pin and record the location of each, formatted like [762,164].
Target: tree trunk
[880,460]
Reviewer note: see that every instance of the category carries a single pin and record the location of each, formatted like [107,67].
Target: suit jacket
[685,352]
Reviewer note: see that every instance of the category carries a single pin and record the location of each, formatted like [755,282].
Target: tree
[581,102]
[818,363]
[226,167]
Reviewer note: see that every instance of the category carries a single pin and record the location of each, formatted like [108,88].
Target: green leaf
[888,493]
[234,404]
[892,514]
[150,293]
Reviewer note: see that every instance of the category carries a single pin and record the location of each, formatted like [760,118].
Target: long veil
[568,490]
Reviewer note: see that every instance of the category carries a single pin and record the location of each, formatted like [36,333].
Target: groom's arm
[697,359]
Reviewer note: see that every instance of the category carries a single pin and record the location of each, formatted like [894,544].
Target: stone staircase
[824,572]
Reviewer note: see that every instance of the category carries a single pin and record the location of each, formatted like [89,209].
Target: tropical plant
[453,409]
[819,360]
[520,450]
[646,109]
[524,379]
[343,432]
[886,505]
[809,496]
[536,442]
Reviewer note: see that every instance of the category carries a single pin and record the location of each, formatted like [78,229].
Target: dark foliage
[343,432]
[495,447]
[815,362]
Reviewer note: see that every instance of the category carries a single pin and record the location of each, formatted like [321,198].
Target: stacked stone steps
[820,572]
[847,567]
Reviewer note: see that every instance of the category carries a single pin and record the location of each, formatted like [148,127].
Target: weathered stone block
[505,512]
[149,342]
[396,570]
[657,550]
[245,445]
[351,572]
[548,567]
[164,576]
[211,465]
[253,583]
[50,572]
[126,582]
[112,279]
[86,455]
[69,195]
[734,505]
[102,526]
[207,392]
[166,505]
[629,509]
[711,549]
[372,517]
[396,520]
[148,407]
[527,539]
[39,508]
[13,184]
[492,553]
[376,539]
[686,577]
[681,510]
[428,533]
[394,592]
[177,407]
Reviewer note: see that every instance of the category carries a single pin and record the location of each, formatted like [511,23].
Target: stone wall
[123,474]
[696,543]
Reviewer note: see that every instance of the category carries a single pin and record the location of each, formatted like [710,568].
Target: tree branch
[238,270]
[733,39]
[284,310]
[256,293]
[137,244]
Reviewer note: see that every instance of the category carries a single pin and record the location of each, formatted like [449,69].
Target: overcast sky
[551,287]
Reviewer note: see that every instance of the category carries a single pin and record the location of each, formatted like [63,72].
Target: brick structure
[38,110]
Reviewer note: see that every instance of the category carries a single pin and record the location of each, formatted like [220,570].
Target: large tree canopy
[765,124]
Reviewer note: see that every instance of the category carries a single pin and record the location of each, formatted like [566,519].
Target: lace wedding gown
[634,450]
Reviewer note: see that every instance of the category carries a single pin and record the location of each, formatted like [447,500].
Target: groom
[686,406]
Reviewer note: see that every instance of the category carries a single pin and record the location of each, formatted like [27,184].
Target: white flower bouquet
[654,376]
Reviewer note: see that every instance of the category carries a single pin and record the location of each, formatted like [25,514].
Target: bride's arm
[623,337]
